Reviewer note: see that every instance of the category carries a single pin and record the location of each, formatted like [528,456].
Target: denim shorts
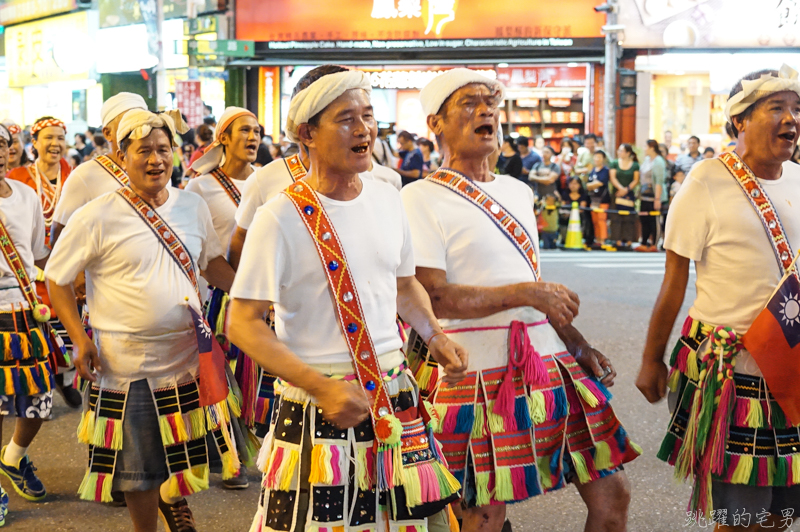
[142,463]
[741,499]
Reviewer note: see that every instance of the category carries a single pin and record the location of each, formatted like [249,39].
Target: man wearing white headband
[532,412]
[143,246]
[94,178]
[333,253]
[736,217]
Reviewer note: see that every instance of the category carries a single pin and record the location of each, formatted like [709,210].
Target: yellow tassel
[321,471]
[219,325]
[795,470]
[602,456]
[180,427]
[495,422]
[636,448]
[587,395]
[423,376]
[674,381]
[441,409]
[452,519]
[86,427]
[9,381]
[197,478]
[288,467]
[412,486]
[99,434]
[538,410]
[7,347]
[116,434]
[363,473]
[479,425]
[483,495]
[33,388]
[230,465]
[397,465]
[503,488]
[692,370]
[580,467]
[234,405]
[755,415]
[197,422]
[166,431]
[743,470]
[25,345]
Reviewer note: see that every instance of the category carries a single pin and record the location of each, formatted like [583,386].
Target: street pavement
[617,292]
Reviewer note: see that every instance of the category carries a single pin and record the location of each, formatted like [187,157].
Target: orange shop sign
[323,20]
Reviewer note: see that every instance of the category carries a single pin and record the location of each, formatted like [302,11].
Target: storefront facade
[403,44]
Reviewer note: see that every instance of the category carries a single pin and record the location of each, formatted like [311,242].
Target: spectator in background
[382,153]
[539,144]
[413,162]
[652,194]
[75,159]
[670,163]
[510,162]
[275,151]
[685,161]
[567,160]
[204,135]
[100,146]
[187,150]
[549,222]
[577,194]
[17,156]
[529,157]
[709,153]
[263,156]
[544,174]
[624,176]
[81,147]
[585,161]
[597,186]
[429,162]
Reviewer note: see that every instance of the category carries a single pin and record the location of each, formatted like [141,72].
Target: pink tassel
[429,483]
[549,404]
[337,474]
[184,489]
[573,400]
[518,482]
[370,465]
[450,420]
[276,465]
[682,360]
[388,468]
[721,425]
[109,432]
[732,467]
[740,412]
[504,403]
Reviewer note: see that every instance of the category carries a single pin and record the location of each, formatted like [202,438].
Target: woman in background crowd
[652,194]
[624,177]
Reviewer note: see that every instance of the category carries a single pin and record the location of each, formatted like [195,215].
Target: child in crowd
[549,216]
[597,185]
[578,195]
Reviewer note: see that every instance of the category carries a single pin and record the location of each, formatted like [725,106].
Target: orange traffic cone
[574,238]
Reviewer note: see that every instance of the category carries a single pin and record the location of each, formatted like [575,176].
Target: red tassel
[763,477]
[518,483]
[504,403]
[721,425]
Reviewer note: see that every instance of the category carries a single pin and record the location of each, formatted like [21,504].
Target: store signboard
[409,79]
[710,23]
[122,13]
[16,11]
[189,101]
[542,77]
[269,98]
[368,20]
[50,50]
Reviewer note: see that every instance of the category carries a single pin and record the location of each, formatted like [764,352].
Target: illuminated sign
[269,100]
[393,20]
[542,76]
[14,11]
[410,79]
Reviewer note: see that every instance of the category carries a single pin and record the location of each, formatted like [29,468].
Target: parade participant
[333,253]
[221,174]
[146,421]
[733,216]
[532,412]
[47,175]
[26,375]
[16,152]
[94,178]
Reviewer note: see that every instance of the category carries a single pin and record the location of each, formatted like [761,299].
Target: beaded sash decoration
[41,313]
[511,228]
[763,206]
[166,236]
[228,185]
[112,168]
[295,167]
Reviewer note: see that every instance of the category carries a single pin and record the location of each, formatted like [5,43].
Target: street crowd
[369,325]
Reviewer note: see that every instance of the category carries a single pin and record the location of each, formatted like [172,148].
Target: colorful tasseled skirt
[30,354]
[725,426]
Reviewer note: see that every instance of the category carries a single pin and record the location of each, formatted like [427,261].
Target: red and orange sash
[295,167]
[112,168]
[40,312]
[227,183]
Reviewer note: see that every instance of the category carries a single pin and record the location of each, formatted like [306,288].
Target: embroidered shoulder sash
[508,225]
[113,168]
[295,167]
[40,312]
[164,233]
[227,184]
[763,206]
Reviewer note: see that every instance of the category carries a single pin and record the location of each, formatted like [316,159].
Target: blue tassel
[465,419]
[431,443]
[562,407]
[622,439]
[233,352]
[36,373]
[602,388]
[522,413]
[214,305]
[16,347]
[532,480]
[17,383]
[554,461]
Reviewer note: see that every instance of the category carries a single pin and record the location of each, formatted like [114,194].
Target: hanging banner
[269,98]
[189,101]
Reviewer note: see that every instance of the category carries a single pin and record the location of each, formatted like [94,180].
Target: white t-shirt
[21,214]
[280,264]
[386,174]
[87,182]
[711,222]
[132,283]
[222,207]
[263,185]
[450,233]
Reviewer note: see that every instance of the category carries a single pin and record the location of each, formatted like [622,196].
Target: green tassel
[545,475]
[536,405]
[778,417]
[99,435]
[483,497]
[503,488]
[771,467]
[586,394]
[478,426]
[781,477]
[602,456]
[441,409]
[166,431]
[580,467]
[667,447]
[753,480]
[495,421]
[88,488]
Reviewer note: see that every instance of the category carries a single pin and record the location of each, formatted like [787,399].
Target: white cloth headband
[316,97]
[138,123]
[442,86]
[118,104]
[756,89]
[214,155]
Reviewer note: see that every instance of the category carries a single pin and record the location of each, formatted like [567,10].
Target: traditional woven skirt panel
[320,478]
[184,425]
[521,453]
[746,441]
[30,354]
